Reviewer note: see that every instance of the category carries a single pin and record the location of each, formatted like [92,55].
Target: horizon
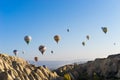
[42,20]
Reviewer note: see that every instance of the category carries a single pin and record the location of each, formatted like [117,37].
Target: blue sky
[42,19]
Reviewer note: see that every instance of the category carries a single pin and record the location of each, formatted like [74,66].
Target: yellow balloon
[57,38]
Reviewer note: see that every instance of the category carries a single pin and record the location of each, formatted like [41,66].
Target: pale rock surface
[14,68]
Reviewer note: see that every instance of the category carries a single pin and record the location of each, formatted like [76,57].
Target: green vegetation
[67,77]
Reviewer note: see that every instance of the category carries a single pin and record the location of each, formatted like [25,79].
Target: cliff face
[13,68]
[99,69]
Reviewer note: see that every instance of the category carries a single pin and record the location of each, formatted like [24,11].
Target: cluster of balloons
[87,37]
[104,29]
[27,40]
[57,38]
[16,52]
[41,48]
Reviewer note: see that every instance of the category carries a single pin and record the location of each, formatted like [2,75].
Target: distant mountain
[54,64]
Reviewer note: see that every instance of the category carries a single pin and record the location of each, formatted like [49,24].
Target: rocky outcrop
[14,68]
[99,69]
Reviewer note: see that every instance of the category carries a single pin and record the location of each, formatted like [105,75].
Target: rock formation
[14,68]
[99,69]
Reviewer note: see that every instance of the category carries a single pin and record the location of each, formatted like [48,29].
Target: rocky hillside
[99,69]
[13,68]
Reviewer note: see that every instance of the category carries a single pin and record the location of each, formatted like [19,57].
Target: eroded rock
[14,68]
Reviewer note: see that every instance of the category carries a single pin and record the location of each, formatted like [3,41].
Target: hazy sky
[42,19]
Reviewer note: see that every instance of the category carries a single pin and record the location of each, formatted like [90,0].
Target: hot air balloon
[23,52]
[114,43]
[83,43]
[104,29]
[44,66]
[57,38]
[52,52]
[42,48]
[36,59]
[87,37]
[27,39]
[68,30]
[15,52]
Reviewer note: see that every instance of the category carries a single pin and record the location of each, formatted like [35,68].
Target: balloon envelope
[15,52]
[51,51]
[83,43]
[23,52]
[27,39]
[104,29]
[42,48]
[114,43]
[57,38]
[68,30]
[87,37]
[36,59]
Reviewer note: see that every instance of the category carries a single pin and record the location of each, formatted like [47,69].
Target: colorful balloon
[42,48]
[57,38]
[104,29]
[27,39]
